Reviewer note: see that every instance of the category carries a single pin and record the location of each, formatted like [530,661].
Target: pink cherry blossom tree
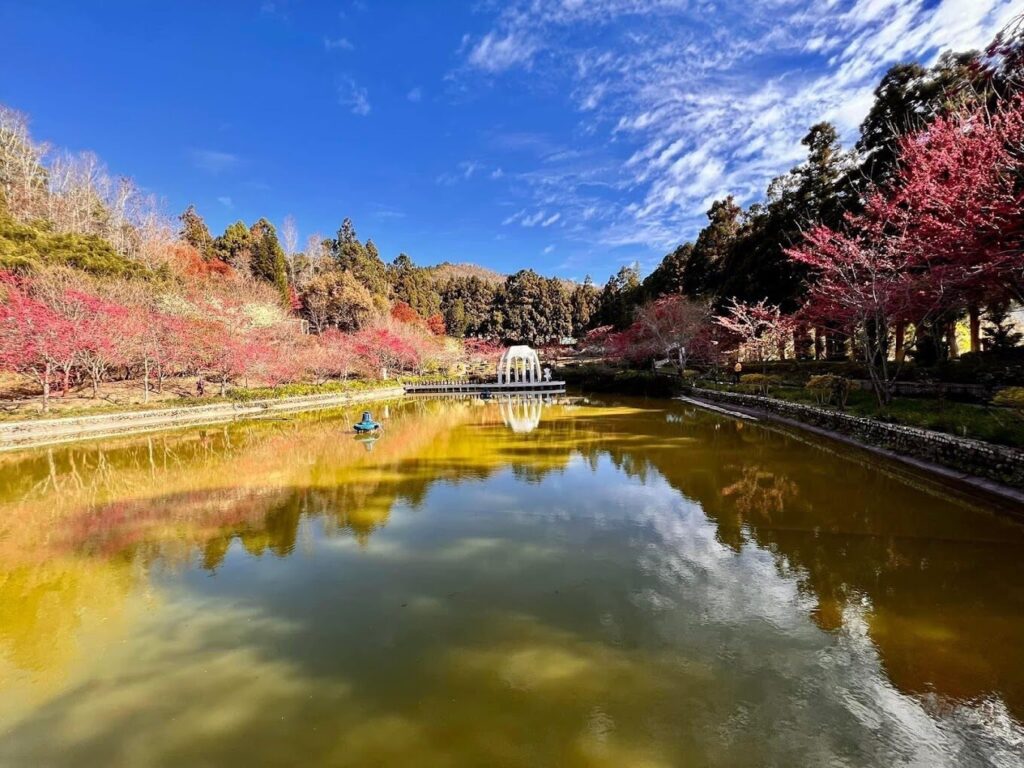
[34,339]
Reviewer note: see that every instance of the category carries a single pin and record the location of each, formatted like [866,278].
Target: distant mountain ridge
[447,270]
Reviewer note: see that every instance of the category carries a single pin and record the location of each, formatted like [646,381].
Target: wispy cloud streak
[682,105]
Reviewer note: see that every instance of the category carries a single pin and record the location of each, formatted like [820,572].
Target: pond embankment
[35,432]
[987,467]
[992,468]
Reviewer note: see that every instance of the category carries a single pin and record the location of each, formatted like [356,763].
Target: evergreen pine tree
[583,306]
[667,278]
[234,247]
[195,232]
[268,261]
[619,297]
[1000,334]
[702,272]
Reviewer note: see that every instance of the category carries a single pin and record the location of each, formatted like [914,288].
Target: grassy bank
[119,401]
[979,422]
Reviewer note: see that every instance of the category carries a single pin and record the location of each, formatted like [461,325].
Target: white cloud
[549,249]
[214,161]
[517,216]
[684,105]
[225,201]
[496,53]
[337,44]
[533,220]
[415,95]
[277,9]
[353,96]
[466,170]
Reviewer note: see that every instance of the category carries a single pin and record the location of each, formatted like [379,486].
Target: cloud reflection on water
[625,588]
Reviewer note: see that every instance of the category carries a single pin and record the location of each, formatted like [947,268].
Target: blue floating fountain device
[367,424]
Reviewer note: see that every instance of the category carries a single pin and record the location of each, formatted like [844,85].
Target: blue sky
[570,136]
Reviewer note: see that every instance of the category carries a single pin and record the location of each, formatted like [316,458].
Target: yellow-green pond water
[611,582]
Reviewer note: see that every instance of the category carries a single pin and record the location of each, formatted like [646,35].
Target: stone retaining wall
[969,457]
[32,432]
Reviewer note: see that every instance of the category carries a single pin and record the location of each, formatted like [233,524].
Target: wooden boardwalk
[456,387]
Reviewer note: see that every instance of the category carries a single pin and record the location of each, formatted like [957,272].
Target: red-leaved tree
[223,352]
[389,347]
[670,326]
[105,333]
[339,352]
[945,234]
[955,205]
[435,324]
[864,286]
[761,329]
[403,313]
[162,346]
[34,339]
[331,355]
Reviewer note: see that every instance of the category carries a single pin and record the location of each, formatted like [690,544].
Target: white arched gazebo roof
[519,364]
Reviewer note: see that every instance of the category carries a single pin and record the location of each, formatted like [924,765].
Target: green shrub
[797,371]
[829,389]
[758,383]
[1010,397]
[26,247]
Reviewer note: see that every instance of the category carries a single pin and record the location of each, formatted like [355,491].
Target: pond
[603,582]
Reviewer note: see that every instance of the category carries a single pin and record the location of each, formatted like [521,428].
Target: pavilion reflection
[521,413]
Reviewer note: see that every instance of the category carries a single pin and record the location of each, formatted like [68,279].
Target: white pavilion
[519,365]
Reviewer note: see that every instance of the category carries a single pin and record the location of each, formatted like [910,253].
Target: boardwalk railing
[457,386]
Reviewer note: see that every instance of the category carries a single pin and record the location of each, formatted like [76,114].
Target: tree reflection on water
[87,530]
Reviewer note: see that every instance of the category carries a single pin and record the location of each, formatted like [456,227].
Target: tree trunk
[879,378]
[803,343]
[819,343]
[901,336]
[954,349]
[836,347]
[66,383]
[875,351]
[974,313]
[47,371]
[223,387]
[145,382]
